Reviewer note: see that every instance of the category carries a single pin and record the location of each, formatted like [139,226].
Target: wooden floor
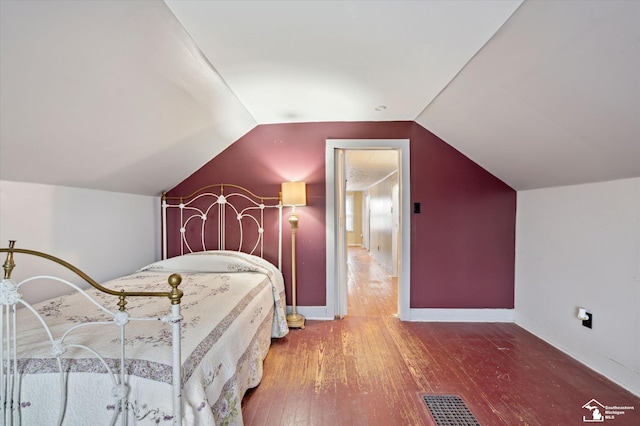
[372,369]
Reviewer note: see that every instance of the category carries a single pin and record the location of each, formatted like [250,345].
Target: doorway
[336,286]
[372,206]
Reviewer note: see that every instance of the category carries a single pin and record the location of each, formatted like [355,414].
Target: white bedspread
[233,304]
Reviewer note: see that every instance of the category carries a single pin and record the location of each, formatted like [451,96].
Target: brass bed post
[8,335]
[9,264]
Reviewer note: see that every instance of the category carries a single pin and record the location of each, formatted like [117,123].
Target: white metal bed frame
[194,210]
[11,298]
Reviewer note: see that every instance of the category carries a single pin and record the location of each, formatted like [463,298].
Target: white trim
[312,312]
[461,315]
[404,274]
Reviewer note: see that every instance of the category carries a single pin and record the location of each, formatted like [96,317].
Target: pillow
[211,261]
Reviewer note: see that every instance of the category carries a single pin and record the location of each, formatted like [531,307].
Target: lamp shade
[294,194]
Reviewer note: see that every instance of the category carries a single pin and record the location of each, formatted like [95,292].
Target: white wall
[579,246]
[105,234]
[382,223]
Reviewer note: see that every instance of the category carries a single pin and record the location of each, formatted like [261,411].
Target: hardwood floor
[372,369]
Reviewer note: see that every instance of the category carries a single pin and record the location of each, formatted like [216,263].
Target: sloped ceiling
[553,99]
[110,95]
[134,96]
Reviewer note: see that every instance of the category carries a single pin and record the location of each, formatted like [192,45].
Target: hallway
[372,369]
[371,291]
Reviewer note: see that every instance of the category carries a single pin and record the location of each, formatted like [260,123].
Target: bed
[205,316]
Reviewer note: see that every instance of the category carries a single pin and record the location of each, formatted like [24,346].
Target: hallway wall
[354,237]
[382,223]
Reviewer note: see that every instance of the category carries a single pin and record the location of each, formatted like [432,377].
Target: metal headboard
[203,225]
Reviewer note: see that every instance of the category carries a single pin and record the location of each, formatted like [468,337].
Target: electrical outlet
[588,322]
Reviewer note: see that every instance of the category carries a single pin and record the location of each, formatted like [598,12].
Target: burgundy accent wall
[462,242]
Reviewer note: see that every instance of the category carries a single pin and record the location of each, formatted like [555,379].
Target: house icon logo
[596,412]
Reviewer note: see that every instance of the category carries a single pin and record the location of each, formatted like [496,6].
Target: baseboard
[620,374]
[461,315]
[425,314]
[312,312]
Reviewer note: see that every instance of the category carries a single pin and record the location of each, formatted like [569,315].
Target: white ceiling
[134,96]
[366,167]
[339,60]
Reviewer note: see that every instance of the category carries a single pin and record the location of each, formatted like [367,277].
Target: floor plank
[372,369]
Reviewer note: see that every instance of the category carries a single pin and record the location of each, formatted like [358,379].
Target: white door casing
[336,286]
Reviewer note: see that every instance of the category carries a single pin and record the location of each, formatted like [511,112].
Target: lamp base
[295,321]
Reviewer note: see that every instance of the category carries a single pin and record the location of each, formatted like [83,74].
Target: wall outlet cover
[588,322]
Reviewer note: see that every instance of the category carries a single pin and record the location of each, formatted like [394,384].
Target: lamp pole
[294,319]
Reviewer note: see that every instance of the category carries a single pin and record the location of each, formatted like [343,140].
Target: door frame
[336,288]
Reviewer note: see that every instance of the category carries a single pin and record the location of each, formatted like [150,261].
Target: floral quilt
[233,305]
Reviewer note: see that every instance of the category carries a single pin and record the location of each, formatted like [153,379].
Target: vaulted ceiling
[134,96]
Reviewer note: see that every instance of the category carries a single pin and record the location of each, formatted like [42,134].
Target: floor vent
[449,410]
